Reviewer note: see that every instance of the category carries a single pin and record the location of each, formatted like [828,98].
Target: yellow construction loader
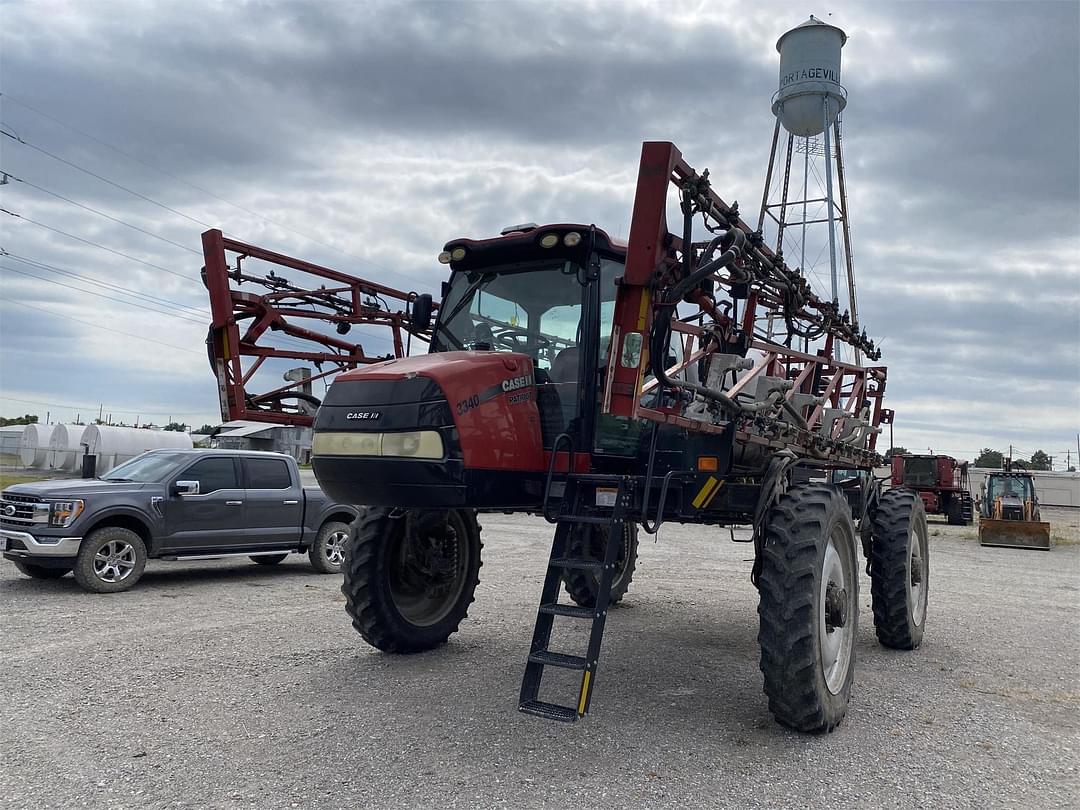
[1009,513]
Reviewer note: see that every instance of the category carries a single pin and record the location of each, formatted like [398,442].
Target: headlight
[572,239]
[63,513]
[413,444]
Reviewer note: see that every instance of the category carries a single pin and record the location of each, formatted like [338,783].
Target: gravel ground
[223,684]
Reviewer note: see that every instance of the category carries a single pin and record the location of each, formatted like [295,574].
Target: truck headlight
[63,513]
[411,444]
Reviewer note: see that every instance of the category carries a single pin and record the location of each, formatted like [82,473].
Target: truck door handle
[290,503]
[233,503]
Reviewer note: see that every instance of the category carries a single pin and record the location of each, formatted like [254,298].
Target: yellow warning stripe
[643,311]
[584,694]
[712,496]
[706,491]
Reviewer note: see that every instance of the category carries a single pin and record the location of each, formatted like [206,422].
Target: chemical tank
[34,445]
[65,447]
[115,445]
[809,74]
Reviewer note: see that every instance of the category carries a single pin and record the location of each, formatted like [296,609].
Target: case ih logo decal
[505,387]
[363,415]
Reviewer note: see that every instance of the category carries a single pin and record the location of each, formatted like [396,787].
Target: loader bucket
[1014,533]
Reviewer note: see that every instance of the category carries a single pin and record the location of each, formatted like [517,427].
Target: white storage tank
[115,445]
[34,445]
[809,74]
[65,447]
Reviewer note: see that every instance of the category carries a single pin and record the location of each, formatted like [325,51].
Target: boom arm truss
[807,401]
[243,324]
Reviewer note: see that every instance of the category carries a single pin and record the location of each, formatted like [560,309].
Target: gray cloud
[386,129]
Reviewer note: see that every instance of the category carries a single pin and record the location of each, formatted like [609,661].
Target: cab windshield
[534,308]
[1018,486]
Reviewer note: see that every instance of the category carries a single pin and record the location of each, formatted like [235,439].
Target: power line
[198,188]
[99,213]
[108,284]
[98,325]
[112,183]
[167,313]
[92,407]
[94,244]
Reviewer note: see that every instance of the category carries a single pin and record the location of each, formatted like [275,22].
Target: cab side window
[267,473]
[212,474]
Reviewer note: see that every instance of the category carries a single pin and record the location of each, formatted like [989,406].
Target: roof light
[549,240]
[572,239]
[524,227]
[457,254]
[444,257]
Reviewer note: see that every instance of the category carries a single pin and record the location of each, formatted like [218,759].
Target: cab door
[212,518]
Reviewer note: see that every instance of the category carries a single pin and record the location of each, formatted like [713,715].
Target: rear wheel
[41,571]
[268,559]
[588,542]
[900,569]
[327,553]
[809,587]
[955,512]
[410,575]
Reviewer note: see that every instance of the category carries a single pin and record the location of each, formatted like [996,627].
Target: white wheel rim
[835,642]
[916,574]
[114,561]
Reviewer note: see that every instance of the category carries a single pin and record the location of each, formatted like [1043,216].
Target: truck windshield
[145,469]
[920,472]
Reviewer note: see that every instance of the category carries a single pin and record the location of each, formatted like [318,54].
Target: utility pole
[100,408]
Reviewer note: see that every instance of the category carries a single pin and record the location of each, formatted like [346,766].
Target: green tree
[896,451]
[989,458]
[25,419]
[205,429]
[178,427]
[1039,461]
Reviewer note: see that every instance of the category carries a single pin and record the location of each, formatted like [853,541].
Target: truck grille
[19,510]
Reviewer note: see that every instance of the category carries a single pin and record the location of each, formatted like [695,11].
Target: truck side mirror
[420,315]
[187,488]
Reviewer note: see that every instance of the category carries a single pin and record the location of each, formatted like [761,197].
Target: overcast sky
[377,131]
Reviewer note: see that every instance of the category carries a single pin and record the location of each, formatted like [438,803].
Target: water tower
[807,105]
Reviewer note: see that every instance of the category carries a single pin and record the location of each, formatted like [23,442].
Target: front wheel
[809,587]
[41,571]
[900,569]
[410,575]
[111,559]
[590,542]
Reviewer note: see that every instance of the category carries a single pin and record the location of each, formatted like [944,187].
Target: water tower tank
[34,445]
[115,445]
[809,74]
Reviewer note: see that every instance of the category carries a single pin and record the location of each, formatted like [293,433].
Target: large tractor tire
[410,575]
[955,513]
[589,542]
[809,588]
[900,569]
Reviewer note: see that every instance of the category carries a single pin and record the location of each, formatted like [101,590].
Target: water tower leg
[768,177]
[829,201]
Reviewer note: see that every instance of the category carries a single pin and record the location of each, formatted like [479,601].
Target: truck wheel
[327,555]
[111,559]
[268,559]
[41,571]
[588,542]
[900,569]
[809,587]
[410,575]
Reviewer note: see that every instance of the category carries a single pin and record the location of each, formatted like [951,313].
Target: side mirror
[420,315]
[187,488]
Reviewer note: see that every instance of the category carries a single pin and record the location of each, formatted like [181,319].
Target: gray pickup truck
[171,505]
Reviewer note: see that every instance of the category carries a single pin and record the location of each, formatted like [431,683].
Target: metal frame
[289,309]
[657,259]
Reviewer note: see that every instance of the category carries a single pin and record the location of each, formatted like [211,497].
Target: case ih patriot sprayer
[608,387]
